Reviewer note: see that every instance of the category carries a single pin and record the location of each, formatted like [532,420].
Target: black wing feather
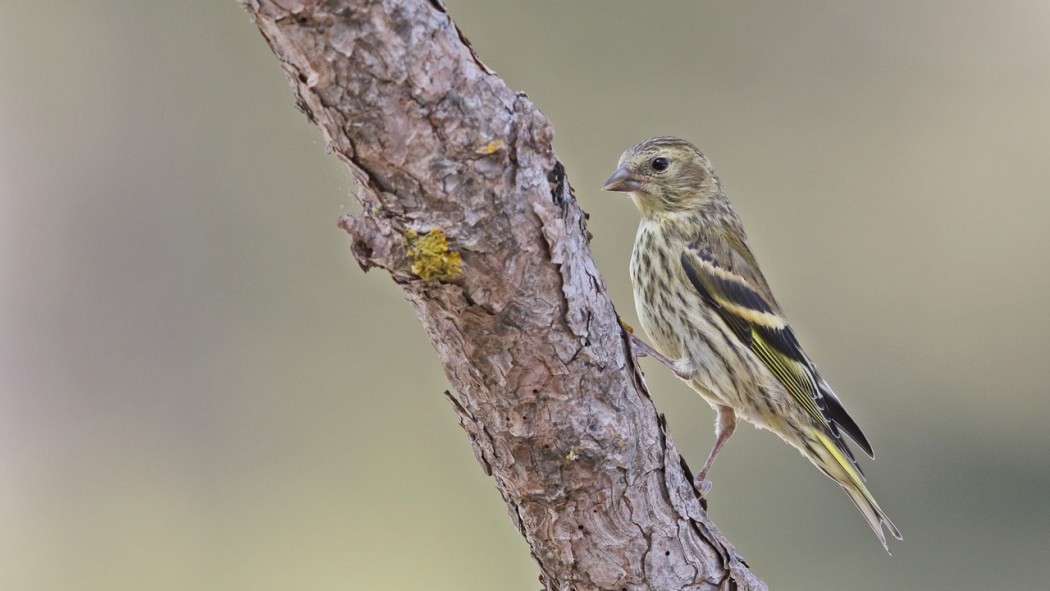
[838,414]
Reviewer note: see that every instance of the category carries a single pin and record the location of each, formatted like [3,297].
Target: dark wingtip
[837,413]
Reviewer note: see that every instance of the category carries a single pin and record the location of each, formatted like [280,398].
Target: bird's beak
[624,181]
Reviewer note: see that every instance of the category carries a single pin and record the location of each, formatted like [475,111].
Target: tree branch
[553,402]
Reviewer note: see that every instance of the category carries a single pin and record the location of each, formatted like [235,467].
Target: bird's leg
[642,349]
[725,424]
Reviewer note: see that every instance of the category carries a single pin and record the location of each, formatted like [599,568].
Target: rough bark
[550,395]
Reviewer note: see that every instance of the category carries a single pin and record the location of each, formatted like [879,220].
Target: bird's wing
[728,279]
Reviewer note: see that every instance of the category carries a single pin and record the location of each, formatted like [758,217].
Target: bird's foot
[703,486]
[643,349]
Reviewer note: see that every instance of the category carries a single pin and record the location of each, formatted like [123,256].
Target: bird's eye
[660,164]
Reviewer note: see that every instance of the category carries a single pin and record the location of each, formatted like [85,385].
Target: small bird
[712,318]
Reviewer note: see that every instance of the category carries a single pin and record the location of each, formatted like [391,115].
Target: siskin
[709,312]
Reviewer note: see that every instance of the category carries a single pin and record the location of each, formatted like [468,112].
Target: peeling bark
[549,393]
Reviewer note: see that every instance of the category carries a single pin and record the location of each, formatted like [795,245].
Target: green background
[199,389]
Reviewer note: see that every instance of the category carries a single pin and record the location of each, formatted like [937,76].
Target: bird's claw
[703,486]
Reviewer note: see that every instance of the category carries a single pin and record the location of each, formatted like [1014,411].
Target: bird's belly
[683,327]
[679,326]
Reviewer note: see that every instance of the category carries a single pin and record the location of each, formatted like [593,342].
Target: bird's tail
[838,466]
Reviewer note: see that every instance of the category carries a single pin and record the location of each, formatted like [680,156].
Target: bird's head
[665,175]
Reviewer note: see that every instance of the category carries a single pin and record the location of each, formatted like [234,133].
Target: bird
[710,315]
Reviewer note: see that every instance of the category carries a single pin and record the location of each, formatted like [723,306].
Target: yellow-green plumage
[705,305]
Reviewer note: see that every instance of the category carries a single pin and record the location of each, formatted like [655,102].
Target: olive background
[199,389]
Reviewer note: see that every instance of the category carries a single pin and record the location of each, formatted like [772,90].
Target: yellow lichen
[431,257]
[491,147]
[626,326]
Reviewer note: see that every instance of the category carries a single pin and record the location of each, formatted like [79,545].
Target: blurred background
[199,389]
